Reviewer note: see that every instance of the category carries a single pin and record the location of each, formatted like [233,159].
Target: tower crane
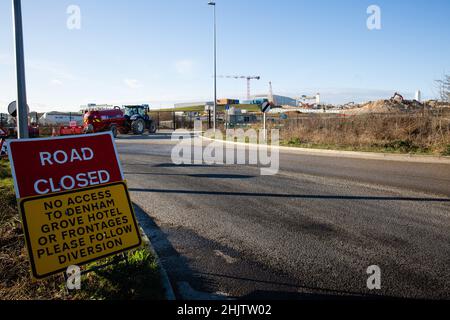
[248,78]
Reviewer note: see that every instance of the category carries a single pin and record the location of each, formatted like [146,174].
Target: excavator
[397,97]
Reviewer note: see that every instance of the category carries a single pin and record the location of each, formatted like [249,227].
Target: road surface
[309,232]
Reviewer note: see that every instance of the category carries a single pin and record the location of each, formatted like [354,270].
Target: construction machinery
[409,104]
[397,97]
[138,120]
[132,118]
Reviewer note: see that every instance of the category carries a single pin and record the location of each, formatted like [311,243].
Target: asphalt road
[309,232]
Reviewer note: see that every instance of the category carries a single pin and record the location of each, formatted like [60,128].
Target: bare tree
[444,88]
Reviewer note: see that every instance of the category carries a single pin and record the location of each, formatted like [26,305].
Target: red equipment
[105,120]
[71,131]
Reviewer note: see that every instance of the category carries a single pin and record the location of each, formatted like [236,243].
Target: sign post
[227,116]
[22,112]
[73,201]
[265,107]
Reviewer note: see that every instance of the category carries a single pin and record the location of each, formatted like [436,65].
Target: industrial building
[279,100]
[257,99]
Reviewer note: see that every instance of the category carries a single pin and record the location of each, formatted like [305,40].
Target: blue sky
[160,51]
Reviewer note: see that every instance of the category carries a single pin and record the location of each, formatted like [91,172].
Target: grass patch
[135,279]
[396,147]
[415,133]
[6,181]
[138,278]
[15,279]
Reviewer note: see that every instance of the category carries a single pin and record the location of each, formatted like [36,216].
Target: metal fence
[3,120]
[177,120]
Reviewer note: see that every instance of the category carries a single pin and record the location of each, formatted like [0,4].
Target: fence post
[159,123]
[209,118]
[174,122]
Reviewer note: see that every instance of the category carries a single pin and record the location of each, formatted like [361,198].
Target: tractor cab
[134,112]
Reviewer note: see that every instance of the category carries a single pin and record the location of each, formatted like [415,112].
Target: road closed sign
[73,201]
[78,227]
[47,166]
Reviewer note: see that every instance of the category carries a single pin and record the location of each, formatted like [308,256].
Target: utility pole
[22,107]
[212,3]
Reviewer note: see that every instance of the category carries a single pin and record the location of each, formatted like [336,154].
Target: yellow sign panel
[75,228]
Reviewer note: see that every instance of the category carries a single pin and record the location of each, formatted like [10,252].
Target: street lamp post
[212,3]
[22,108]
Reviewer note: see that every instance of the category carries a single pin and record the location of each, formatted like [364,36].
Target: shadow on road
[206,175]
[291,196]
[167,253]
[179,271]
[288,295]
[172,165]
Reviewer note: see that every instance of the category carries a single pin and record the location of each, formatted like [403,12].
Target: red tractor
[135,119]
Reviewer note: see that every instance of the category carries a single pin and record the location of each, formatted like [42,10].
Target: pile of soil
[388,106]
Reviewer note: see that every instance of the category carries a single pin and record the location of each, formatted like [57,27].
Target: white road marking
[227,258]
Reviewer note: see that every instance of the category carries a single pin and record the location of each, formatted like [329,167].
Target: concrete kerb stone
[352,154]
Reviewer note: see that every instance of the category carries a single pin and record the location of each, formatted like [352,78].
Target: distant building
[279,100]
[418,96]
[61,118]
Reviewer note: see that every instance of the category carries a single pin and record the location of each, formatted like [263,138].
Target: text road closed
[47,166]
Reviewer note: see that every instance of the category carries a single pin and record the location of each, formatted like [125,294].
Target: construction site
[392,125]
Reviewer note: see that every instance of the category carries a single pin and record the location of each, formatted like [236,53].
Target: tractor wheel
[152,128]
[114,131]
[138,127]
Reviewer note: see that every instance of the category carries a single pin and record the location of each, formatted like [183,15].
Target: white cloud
[184,67]
[132,83]
[56,82]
